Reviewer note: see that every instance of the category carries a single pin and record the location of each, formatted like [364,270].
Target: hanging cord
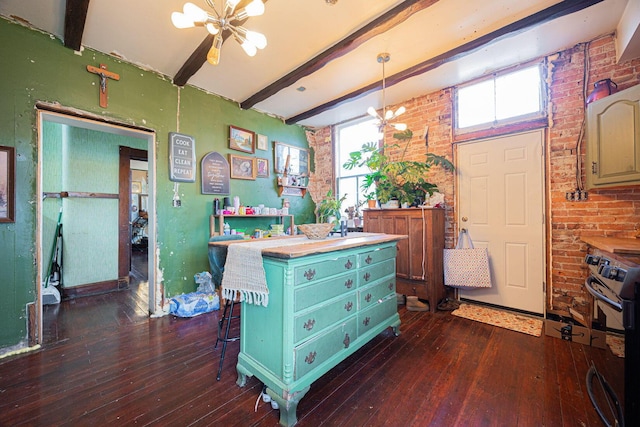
[585,76]
[424,243]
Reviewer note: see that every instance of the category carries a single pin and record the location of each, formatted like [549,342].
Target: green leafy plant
[400,179]
[329,206]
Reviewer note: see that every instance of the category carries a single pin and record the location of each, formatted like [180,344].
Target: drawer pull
[346,341]
[348,306]
[310,274]
[310,358]
[369,259]
[309,324]
[366,321]
[367,298]
[366,276]
[349,283]
[348,265]
[390,285]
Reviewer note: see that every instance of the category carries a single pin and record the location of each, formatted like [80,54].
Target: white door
[501,204]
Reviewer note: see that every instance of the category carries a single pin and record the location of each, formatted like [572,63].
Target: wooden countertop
[312,247]
[616,245]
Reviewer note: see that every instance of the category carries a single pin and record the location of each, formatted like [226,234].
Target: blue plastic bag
[193,304]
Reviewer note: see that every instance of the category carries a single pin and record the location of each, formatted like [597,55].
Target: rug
[503,319]
[616,344]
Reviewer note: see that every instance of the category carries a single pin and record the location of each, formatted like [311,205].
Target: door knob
[465,219]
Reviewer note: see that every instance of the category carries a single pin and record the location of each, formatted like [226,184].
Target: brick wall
[614,212]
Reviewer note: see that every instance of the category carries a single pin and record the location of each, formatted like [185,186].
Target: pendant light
[387,116]
[250,41]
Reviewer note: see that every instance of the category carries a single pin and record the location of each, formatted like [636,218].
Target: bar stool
[217,259]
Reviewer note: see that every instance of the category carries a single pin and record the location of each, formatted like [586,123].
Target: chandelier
[387,116]
[215,23]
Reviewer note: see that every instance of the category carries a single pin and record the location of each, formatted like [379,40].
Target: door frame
[70,117]
[544,200]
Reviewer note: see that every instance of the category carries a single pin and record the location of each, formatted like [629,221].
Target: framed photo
[242,167]
[263,142]
[294,159]
[136,187]
[7,184]
[241,139]
[262,168]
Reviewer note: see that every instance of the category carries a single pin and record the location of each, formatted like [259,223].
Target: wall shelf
[216,231]
[289,190]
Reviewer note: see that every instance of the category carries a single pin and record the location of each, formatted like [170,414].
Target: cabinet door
[613,150]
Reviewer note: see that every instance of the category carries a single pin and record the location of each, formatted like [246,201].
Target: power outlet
[177,203]
[576,196]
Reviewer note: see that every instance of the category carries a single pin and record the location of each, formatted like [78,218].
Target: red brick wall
[613,212]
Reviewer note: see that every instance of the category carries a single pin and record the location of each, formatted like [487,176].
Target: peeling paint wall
[37,68]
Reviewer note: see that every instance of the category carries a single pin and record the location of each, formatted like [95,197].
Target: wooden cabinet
[322,308]
[419,265]
[613,146]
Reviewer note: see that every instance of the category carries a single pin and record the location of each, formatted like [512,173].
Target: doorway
[93,218]
[501,204]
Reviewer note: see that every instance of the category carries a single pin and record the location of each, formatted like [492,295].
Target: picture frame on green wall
[7,184]
[241,139]
[242,167]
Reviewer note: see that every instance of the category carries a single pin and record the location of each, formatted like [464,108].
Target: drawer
[323,316]
[317,292]
[377,255]
[373,294]
[314,352]
[319,270]
[376,313]
[374,272]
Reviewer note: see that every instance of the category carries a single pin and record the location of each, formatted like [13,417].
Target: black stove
[614,283]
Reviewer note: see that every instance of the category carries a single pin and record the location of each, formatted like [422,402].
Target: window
[350,137]
[502,99]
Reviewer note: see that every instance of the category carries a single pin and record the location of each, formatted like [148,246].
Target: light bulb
[212,28]
[258,39]
[388,114]
[400,126]
[229,6]
[372,112]
[255,8]
[400,111]
[195,13]
[180,20]
[249,48]
[213,56]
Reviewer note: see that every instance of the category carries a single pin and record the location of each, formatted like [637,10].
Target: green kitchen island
[326,299]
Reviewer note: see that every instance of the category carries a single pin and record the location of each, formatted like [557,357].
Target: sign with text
[214,169]
[182,157]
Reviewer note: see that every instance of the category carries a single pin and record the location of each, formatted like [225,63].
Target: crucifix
[104,75]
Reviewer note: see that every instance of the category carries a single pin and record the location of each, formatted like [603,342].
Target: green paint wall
[36,67]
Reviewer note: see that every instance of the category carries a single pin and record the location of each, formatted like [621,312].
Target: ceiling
[330,49]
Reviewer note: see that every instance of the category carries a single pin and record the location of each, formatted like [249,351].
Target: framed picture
[242,167]
[262,168]
[136,187]
[263,142]
[7,184]
[241,139]
[294,159]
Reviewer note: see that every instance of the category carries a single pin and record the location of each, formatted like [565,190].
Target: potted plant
[395,178]
[328,210]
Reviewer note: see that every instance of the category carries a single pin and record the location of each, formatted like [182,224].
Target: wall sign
[215,174]
[182,157]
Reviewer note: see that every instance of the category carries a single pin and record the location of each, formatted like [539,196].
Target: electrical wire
[585,75]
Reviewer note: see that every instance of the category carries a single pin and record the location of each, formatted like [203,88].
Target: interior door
[501,204]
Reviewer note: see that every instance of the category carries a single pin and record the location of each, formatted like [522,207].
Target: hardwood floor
[106,362]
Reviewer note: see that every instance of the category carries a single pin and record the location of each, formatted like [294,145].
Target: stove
[614,282]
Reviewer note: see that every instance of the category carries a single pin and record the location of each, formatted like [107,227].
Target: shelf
[289,190]
[212,221]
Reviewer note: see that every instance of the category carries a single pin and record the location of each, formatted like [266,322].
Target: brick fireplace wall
[612,212]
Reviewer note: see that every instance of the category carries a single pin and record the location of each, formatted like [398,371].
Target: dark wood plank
[106,362]
[75,17]
[553,12]
[380,25]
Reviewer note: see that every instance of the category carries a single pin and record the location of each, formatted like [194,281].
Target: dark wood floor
[106,362]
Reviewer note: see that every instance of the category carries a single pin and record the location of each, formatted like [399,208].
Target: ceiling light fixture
[387,115]
[193,16]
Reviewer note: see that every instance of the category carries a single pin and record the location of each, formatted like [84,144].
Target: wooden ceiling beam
[558,10]
[378,26]
[199,56]
[75,16]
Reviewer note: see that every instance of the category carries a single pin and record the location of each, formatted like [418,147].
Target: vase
[602,88]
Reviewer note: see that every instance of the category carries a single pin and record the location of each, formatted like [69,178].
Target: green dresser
[326,300]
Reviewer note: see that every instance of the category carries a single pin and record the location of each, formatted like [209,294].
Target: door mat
[503,319]
[616,344]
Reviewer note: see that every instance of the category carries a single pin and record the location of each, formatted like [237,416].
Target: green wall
[36,67]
